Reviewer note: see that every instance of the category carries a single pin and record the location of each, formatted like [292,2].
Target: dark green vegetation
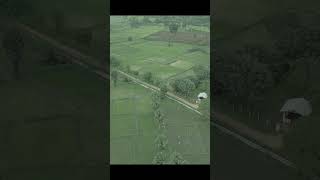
[171,53]
[46,115]
[263,58]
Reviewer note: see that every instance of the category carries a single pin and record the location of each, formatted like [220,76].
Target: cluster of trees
[247,76]
[114,62]
[173,29]
[183,21]
[253,70]
[163,155]
[200,81]
[134,21]
[114,77]
[148,77]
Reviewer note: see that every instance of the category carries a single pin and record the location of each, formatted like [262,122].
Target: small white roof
[203,95]
[297,105]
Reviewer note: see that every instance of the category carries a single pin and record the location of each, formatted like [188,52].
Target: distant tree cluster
[148,77]
[245,77]
[114,77]
[114,62]
[183,21]
[134,22]
[187,85]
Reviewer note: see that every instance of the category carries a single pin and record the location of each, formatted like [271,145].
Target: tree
[173,29]
[147,77]
[128,69]
[163,90]
[162,126]
[13,44]
[251,78]
[185,22]
[160,158]
[161,142]
[176,158]
[204,86]
[158,116]
[134,22]
[184,86]
[201,72]
[155,97]
[114,62]
[195,80]
[114,76]
[146,20]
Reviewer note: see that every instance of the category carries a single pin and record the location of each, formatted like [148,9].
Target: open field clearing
[133,128]
[121,33]
[156,56]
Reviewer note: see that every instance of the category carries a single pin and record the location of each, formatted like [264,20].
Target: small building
[201,96]
[294,108]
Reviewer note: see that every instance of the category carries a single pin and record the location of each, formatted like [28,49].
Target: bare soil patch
[199,38]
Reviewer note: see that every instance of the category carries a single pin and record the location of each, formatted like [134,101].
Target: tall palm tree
[176,158]
[160,158]
[161,142]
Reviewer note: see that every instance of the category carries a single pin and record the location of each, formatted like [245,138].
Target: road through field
[83,60]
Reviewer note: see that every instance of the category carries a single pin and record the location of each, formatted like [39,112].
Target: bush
[125,79]
[128,69]
[114,62]
[163,90]
[195,80]
[147,76]
[184,86]
[136,73]
[201,72]
[129,38]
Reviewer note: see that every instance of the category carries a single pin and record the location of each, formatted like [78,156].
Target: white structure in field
[201,96]
[294,108]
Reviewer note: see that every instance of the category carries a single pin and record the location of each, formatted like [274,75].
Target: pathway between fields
[87,62]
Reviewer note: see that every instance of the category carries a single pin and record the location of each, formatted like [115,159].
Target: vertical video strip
[160,90]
